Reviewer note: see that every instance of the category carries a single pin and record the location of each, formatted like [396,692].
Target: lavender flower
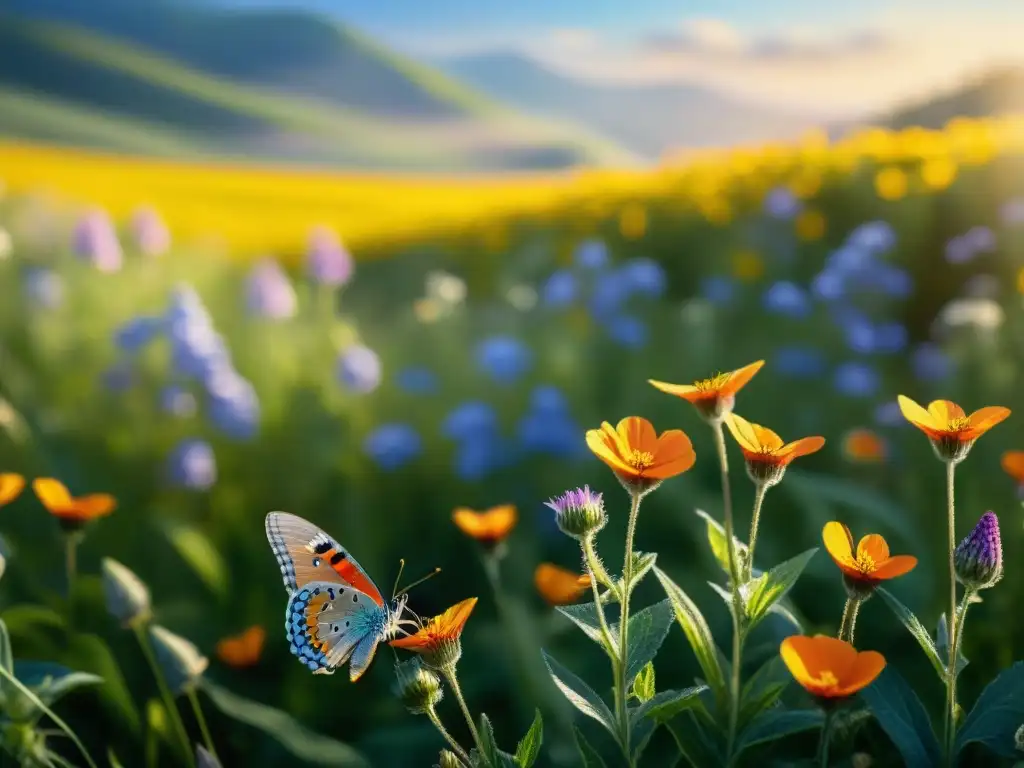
[627,331]
[876,237]
[786,298]
[269,293]
[855,379]
[234,407]
[559,290]
[392,446]
[328,262]
[417,380]
[978,559]
[579,513]
[137,333]
[504,358]
[118,378]
[176,401]
[43,288]
[150,233]
[95,241]
[780,203]
[591,254]
[718,289]
[359,369]
[644,276]
[470,419]
[192,465]
[1011,213]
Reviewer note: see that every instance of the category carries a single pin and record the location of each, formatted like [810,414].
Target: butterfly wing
[327,623]
[305,553]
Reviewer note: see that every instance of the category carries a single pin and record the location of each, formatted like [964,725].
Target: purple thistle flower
[150,233]
[269,293]
[579,513]
[95,241]
[328,262]
[978,559]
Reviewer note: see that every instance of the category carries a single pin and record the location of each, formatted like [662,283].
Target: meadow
[207,344]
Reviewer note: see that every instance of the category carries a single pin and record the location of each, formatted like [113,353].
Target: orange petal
[873,546]
[802,447]
[674,455]
[679,390]
[767,438]
[452,621]
[838,541]
[866,667]
[10,486]
[792,656]
[469,522]
[983,419]
[916,415]
[95,505]
[638,434]
[945,411]
[559,586]
[598,442]
[52,493]
[895,566]
[743,431]
[820,653]
[1013,464]
[739,377]
[501,519]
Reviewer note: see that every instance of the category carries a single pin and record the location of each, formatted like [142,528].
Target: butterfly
[335,612]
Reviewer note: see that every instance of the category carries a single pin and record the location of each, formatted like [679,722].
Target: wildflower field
[562,392]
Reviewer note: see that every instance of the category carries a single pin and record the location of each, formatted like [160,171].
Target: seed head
[579,513]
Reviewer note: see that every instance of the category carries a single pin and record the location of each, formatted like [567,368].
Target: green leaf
[717,540]
[89,653]
[902,716]
[195,549]
[589,755]
[642,564]
[487,744]
[942,646]
[301,742]
[50,682]
[112,759]
[579,694]
[647,631]
[6,657]
[997,714]
[698,746]
[697,632]
[667,704]
[643,684]
[768,588]
[916,628]
[763,689]
[529,748]
[584,616]
[776,724]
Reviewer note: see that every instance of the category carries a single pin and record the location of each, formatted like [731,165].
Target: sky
[844,60]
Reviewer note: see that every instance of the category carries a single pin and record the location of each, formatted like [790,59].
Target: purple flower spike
[328,262]
[579,513]
[269,293]
[95,241]
[979,558]
[152,238]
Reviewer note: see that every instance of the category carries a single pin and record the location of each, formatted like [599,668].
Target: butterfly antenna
[394,590]
[416,583]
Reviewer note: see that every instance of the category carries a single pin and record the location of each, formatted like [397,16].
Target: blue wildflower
[417,380]
[591,254]
[608,295]
[644,276]
[890,338]
[858,331]
[234,407]
[559,290]
[849,259]
[138,332]
[119,377]
[780,203]
[504,358]
[930,363]
[191,464]
[889,414]
[359,369]
[718,289]
[892,281]
[548,399]
[799,362]
[786,298]
[876,237]
[479,456]
[392,446]
[177,401]
[627,330]
[469,419]
[552,435]
[43,288]
[828,285]
[856,379]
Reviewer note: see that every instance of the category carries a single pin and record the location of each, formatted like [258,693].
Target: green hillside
[995,93]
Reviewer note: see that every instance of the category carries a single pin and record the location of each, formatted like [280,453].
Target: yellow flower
[713,397]
[10,487]
[71,512]
[439,640]
[638,456]
[871,563]
[829,668]
[490,527]
[951,431]
[633,221]
[766,454]
[559,586]
[891,183]
[810,225]
[938,173]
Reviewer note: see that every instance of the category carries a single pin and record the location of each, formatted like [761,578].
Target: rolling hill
[279,84]
[994,93]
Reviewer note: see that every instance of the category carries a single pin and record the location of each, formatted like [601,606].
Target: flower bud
[126,596]
[180,660]
[950,448]
[978,560]
[859,589]
[579,513]
[418,687]
[764,470]
[448,759]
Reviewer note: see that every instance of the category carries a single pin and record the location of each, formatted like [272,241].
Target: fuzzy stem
[591,563]
[201,719]
[949,727]
[737,602]
[453,681]
[621,691]
[755,521]
[849,619]
[436,720]
[826,736]
[955,639]
[165,693]
[71,568]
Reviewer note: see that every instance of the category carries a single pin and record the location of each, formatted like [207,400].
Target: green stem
[621,685]
[71,568]
[826,736]
[737,601]
[949,727]
[592,563]
[201,719]
[165,693]
[955,640]
[849,619]
[28,693]
[436,720]
[755,521]
[453,681]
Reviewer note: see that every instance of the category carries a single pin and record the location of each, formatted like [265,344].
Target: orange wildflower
[871,563]
[766,454]
[638,456]
[830,668]
[10,486]
[951,431]
[863,445]
[71,512]
[713,397]
[490,527]
[559,586]
[242,650]
[438,640]
[1013,465]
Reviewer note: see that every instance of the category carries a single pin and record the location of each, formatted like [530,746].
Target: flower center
[959,425]
[826,680]
[641,460]
[713,384]
[865,564]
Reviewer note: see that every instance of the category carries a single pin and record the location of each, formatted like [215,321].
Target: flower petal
[766,438]
[983,419]
[673,455]
[94,505]
[739,377]
[866,667]
[895,566]
[838,541]
[605,448]
[52,493]
[915,414]
[452,621]
[743,431]
[945,411]
[1013,464]
[559,586]
[801,447]
[874,546]
[10,486]
[638,434]
[679,390]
